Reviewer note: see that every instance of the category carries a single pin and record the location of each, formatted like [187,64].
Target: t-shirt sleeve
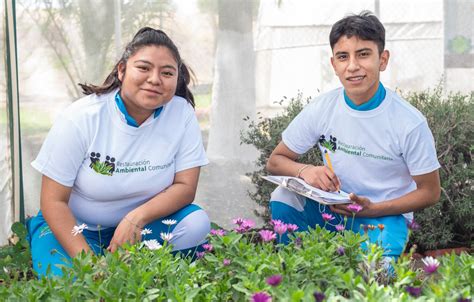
[191,151]
[302,133]
[62,153]
[419,150]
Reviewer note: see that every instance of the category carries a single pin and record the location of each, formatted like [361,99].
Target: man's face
[358,64]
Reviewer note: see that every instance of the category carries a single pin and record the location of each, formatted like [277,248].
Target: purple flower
[365,227]
[218,232]
[413,226]
[261,297]
[462,299]
[238,221]
[318,297]
[291,227]
[298,241]
[327,217]
[245,225]
[208,247]
[431,265]
[267,235]
[340,227]
[355,208]
[226,262]
[341,251]
[274,280]
[200,255]
[413,291]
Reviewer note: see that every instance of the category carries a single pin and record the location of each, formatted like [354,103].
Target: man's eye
[364,54]
[341,57]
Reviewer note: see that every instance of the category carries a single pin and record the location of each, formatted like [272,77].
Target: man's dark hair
[364,26]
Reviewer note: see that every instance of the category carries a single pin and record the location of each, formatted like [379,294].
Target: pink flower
[340,227]
[413,226]
[208,247]
[355,208]
[327,217]
[291,227]
[218,232]
[200,255]
[226,262]
[245,226]
[238,221]
[274,280]
[280,228]
[261,297]
[431,265]
[276,222]
[267,235]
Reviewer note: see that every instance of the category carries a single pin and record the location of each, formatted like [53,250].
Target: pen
[328,162]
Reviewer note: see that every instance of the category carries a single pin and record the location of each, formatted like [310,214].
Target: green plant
[237,265]
[450,222]
[15,259]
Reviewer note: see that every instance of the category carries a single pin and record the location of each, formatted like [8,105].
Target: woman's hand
[126,231]
[321,177]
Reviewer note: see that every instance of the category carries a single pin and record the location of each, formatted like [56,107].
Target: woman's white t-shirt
[134,165]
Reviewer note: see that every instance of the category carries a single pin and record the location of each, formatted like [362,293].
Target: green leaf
[19,229]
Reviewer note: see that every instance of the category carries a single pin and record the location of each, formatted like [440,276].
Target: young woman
[124,158]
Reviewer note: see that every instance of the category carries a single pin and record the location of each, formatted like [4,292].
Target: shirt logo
[105,168]
[330,144]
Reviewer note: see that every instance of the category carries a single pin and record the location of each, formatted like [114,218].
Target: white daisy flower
[166,236]
[77,229]
[145,231]
[169,221]
[152,244]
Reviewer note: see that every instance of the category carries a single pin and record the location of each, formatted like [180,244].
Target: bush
[450,222]
[237,265]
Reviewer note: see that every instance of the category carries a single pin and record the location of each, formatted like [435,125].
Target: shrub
[447,224]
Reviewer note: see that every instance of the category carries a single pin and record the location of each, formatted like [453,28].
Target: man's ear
[121,71]
[384,56]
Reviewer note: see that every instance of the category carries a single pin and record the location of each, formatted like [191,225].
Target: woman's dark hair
[146,36]
[365,26]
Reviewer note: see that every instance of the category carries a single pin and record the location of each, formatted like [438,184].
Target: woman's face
[149,81]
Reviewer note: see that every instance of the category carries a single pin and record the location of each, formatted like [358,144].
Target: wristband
[132,223]
[298,175]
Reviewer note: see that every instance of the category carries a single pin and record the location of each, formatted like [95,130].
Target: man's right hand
[321,177]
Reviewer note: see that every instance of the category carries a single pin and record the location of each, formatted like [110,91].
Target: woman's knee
[191,231]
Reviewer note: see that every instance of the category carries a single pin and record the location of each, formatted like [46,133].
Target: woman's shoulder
[88,106]
[180,106]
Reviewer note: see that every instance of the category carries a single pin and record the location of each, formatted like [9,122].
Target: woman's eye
[167,73]
[143,68]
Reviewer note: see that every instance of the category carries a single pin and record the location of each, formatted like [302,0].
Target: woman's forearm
[61,221]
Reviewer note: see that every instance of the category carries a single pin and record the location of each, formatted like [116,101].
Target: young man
[380,146]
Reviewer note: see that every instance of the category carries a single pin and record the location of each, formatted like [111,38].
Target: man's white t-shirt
[134,165]
[374,153]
